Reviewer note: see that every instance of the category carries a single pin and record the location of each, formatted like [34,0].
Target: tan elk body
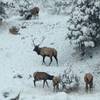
[88,78]
[42,76]
[56,80]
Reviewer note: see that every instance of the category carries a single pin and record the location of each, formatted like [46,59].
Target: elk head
[36,47]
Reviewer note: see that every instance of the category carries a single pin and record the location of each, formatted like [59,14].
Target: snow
[17,57]
[89,44]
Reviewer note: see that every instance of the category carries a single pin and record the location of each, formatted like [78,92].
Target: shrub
[69,81]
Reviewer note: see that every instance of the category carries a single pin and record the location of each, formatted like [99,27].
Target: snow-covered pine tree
[63,6]
[69,80]
[2,10]
[84,27]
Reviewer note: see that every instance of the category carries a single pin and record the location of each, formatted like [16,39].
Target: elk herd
[43,76]
[50,52]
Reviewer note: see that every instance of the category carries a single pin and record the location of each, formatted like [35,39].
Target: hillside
[17,57]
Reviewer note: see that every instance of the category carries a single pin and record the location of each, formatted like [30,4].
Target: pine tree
[69,80]
[84,27]
[2,10]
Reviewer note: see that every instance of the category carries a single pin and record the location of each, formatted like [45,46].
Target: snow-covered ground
[17,57]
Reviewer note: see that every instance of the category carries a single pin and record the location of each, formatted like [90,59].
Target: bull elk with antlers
[45,51]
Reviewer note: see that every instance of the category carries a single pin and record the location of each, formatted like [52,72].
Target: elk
[45,51]
[42,76]
[35,11]
[14,30]
[88,78]
[29,13]
[56,80]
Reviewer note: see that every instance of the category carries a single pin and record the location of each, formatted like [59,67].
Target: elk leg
[34,82]
[54,88]
[56,59]
[43,60]
[50,61]
[43,83]
[57,86]
[86,86]
[91,85]
[47,83]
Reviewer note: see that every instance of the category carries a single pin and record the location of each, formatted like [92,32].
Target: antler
[43,38]
[33,41]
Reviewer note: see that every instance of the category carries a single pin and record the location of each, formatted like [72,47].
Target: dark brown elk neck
[38,51]
[50,77]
